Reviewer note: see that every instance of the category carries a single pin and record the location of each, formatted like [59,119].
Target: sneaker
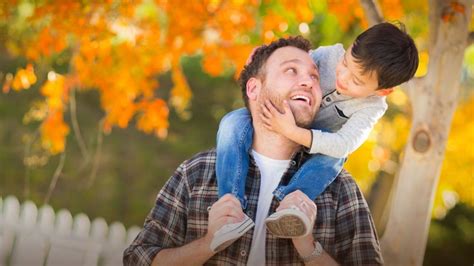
[229,233]
[288,223]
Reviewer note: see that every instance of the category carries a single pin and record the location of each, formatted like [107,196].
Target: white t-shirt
[271,171]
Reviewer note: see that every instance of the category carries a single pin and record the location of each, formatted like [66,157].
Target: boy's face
[351,81]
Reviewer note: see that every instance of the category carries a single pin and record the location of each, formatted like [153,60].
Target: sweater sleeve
[351,135]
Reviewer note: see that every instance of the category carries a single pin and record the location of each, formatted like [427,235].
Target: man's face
[349,78]
[290,74]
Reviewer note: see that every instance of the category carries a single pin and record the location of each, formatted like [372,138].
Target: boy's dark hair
[389,51]
[260,56]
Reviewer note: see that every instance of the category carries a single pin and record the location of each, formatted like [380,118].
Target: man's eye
[315,77]
[291,70]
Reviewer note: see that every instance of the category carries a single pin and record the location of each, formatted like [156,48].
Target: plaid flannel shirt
[343,226]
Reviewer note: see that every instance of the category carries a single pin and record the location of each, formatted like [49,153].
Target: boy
[354,84]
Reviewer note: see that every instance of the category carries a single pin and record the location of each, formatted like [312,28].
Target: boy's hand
[281,123]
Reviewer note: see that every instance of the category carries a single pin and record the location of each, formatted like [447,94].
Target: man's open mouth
[302,98]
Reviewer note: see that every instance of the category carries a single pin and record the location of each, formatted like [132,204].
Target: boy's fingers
[265,119]
[270,106]
[266,111]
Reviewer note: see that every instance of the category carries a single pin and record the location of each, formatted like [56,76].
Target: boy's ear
[383,92]
[253,88]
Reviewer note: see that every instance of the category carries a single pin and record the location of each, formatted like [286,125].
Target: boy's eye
[315,77]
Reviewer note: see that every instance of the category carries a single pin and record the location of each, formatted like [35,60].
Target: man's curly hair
[260,56]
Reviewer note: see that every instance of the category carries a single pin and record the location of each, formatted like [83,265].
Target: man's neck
[273,145]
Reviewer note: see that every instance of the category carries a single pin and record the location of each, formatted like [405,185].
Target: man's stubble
[302,118]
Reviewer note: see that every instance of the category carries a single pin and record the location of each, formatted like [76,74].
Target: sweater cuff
[311,147]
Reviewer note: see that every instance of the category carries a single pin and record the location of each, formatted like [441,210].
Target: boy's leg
[234,140]
[312,178]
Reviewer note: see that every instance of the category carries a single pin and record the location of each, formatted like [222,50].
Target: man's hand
[299,200]
[281,123]
[226,210]
[305,244]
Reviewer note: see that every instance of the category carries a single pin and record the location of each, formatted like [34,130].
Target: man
[187,214]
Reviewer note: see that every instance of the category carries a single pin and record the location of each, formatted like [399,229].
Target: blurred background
[102,100]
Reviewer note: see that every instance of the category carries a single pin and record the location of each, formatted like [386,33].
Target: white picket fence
[29,236]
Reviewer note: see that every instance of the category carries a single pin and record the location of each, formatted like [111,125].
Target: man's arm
[162,239]
[226,210]
[194,253]
[165,225]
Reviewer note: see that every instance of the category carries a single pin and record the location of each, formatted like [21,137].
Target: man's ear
[383,92]
[253,88]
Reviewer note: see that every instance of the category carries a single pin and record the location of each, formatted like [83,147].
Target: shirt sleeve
[165,225]
[351,135]
[357,242]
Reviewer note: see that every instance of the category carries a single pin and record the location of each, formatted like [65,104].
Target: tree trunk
[434,99]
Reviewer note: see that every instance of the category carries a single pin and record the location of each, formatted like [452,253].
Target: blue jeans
[234,140]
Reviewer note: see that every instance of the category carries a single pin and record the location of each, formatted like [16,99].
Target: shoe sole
[286,226]
[237,232]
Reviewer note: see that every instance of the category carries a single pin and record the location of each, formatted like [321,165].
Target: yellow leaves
[392,9]
[213,62]
[351,11]
[120,50]
[53,129]
[397,97]
[154,118]
[457,173]
[357,165]
[23,79]
[55,91]
[423,64]
[46,44]
[347,12]
[53,133]
[37,112]
[180,93]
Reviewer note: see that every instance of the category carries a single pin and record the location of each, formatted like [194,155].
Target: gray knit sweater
[349,120]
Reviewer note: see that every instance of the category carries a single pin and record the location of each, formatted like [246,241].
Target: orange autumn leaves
[120,50]
[350,11]
[24,79]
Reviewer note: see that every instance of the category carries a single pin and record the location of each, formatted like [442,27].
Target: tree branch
[55,178]
[98,152]
[372,11]
[75,126]
[470,38]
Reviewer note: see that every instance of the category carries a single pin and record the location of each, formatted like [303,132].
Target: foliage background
[118,170]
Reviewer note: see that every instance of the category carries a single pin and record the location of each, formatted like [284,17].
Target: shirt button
[328,99]
[293,163]
[338,93]
[250,213]
[208,208]
[243,253]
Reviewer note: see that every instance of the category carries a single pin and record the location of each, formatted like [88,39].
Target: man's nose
[306,81]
